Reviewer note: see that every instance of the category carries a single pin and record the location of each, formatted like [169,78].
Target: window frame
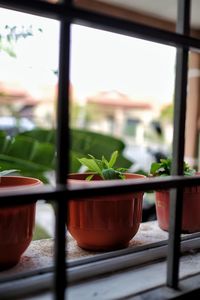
[67,13]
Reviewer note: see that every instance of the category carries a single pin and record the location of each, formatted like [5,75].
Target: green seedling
[102,167]
[163,168]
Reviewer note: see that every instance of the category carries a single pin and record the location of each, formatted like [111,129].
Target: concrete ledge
[40,253]
[118,283]
[148,233]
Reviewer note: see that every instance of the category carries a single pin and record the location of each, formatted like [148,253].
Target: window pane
[110,70]
[28,80]
[28,90]
[124,88]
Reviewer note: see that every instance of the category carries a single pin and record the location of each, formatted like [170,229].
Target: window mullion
[62,157]
[183,26]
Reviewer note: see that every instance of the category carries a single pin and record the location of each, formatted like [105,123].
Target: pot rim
[72,176]
[186,190]
[27,182]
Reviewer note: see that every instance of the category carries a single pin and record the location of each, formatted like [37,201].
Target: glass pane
[28,88]
[28,82]
[123,88]
[115,70]
[161,14]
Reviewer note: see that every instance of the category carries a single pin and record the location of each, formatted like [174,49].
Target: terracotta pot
[106,222]
[191,209]
[16,223]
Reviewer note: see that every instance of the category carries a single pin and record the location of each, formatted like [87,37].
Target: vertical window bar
[62,157]
[183,26]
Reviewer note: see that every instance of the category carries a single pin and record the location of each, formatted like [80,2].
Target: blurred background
[121,98]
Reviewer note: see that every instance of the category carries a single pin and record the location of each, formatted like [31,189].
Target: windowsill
[148,233]
[40,253]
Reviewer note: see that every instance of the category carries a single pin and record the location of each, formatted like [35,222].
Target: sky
[99,60]
[108,61]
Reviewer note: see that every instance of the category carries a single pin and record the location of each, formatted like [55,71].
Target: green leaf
[113,159]
[164,168]
[8,172]
[90,164]
[102,167]
[122,170]
[154,168]
[84,142]
[89,177]
[90,155]
[109,174]
[99,146]
[105,162]
[29,156]
[98,161]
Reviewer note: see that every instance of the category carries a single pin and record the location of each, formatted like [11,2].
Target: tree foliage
[9,36]
[167,113]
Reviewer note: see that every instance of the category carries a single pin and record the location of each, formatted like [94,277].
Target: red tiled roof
[117,99]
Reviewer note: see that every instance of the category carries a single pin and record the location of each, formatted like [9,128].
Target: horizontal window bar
[104,22]
[133,29]
[41,8]
[109,187]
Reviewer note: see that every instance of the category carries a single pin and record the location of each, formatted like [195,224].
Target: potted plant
[104,222]
[16,222]
[191,197]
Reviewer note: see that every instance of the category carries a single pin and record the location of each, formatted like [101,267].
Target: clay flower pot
[190,213]
[106,222]
[16,223]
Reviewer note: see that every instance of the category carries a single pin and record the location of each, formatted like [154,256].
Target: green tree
[167,113]
[9,36]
